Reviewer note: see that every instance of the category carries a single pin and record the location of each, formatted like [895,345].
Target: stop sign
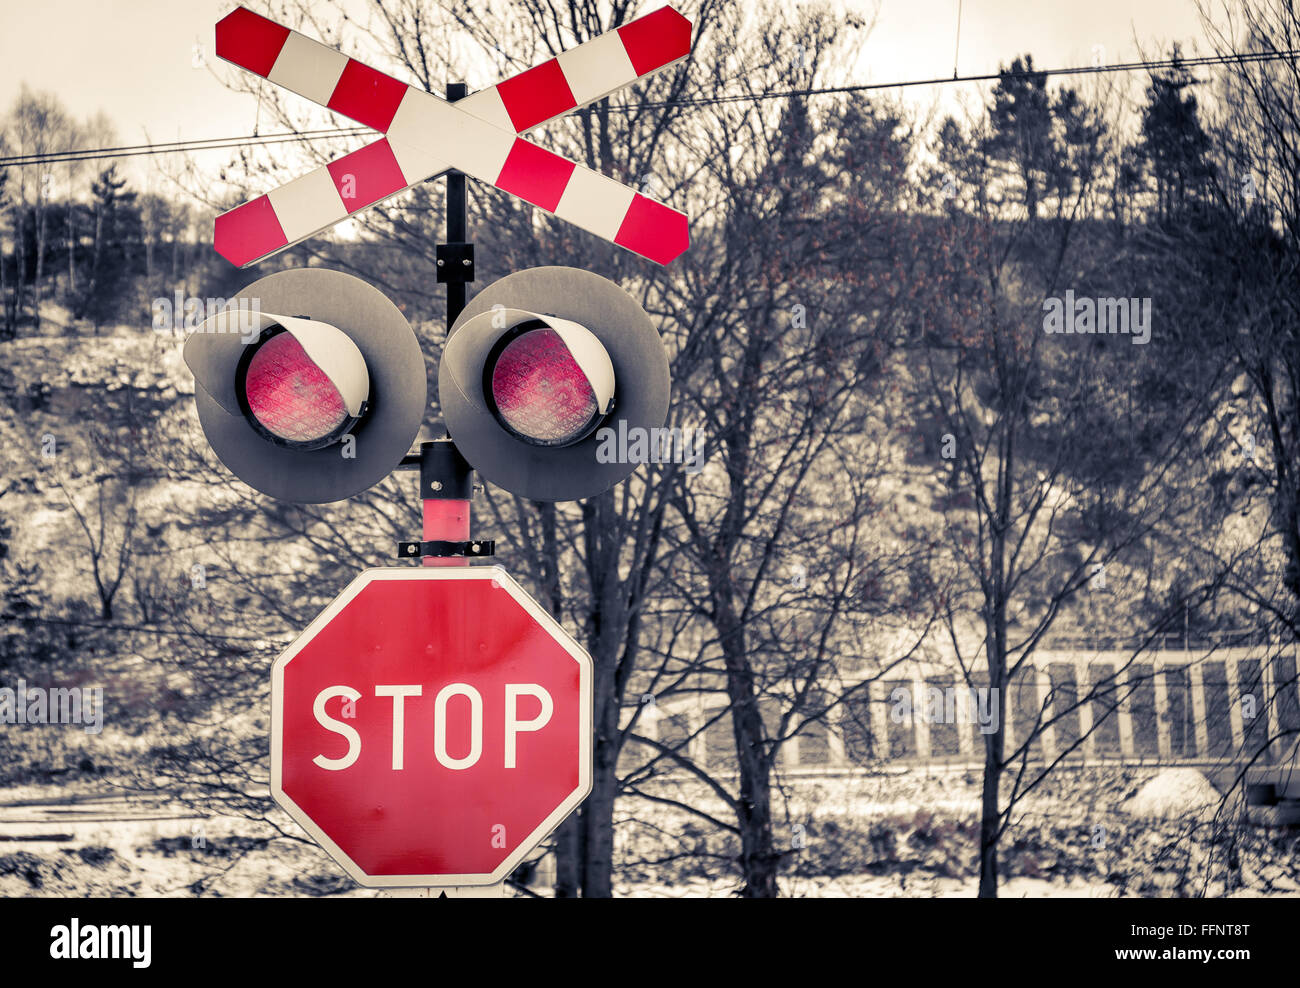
[431,726]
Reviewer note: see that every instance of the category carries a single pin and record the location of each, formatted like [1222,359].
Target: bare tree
[1045,490]
[1252,253]
[110,524]
[38,125]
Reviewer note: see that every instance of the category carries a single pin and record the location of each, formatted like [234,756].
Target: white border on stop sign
[585,753]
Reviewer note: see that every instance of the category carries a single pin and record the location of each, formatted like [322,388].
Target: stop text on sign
[469,712]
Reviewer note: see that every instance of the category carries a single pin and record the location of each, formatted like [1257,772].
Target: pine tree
[1174,148]
[1021,123]
[19,605]
[116,218]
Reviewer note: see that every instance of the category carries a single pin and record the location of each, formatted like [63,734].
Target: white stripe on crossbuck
[424,123]
[486,105]
[597,68]
[595,202]
[307,204]
[415,161]
[308,68]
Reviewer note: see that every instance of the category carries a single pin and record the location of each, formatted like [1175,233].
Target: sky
[136,60]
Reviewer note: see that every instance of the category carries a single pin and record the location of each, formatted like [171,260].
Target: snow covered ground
[913,840]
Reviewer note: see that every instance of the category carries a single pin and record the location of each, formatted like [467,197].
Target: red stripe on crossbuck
[536,95]
[248,232]
[250,40]
[367,95]
[535,175]
[656,39]
[367,175]
[653,230]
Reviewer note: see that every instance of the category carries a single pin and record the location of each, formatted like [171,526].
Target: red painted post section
[446,520]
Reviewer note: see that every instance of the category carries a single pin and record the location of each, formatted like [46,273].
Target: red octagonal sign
[431,726]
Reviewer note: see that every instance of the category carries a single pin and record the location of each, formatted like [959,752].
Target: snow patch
[1174,792]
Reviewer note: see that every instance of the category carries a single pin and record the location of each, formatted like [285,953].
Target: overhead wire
[176,147]
[224,143]
[147,629]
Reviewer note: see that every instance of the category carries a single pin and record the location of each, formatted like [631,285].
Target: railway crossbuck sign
[478,135]
[431,727]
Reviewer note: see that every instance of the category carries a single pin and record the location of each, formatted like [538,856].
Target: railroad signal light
[536,366]
[303,384]
[549,381]
[316,404]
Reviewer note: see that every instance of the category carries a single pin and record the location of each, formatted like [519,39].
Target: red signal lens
[289,395]
[540,392]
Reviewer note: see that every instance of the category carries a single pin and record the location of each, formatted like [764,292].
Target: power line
[177,147]
[1166,63]
[146,629]
[195,143]
[213,144]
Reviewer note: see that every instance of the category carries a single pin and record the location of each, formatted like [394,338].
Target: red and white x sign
[426,136]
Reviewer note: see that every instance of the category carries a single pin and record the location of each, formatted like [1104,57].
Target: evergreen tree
[117,222]
[1046,145]
[1174,147]
[19,605]
[1020,122]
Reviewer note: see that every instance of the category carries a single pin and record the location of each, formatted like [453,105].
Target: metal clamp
[455,262]
[437,547]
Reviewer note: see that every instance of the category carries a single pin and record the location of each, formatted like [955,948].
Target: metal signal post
[456,256]
[446,480]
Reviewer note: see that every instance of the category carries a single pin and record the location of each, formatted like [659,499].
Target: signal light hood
[328,347]
[614,343]
[358,338]
[584,346]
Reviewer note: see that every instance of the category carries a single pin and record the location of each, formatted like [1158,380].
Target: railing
[1183,641]
[1100,705]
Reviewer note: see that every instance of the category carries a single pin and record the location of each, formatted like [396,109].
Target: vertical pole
[446,481]
[1046,700]
[1200,707]
[1124,712]
[1273,723]
[1083,676]
[457,219]
[446,485]
[920,718]
[1236,721]
[1164,741]
[877,722]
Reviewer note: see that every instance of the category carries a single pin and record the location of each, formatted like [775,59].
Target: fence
[1169,705]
